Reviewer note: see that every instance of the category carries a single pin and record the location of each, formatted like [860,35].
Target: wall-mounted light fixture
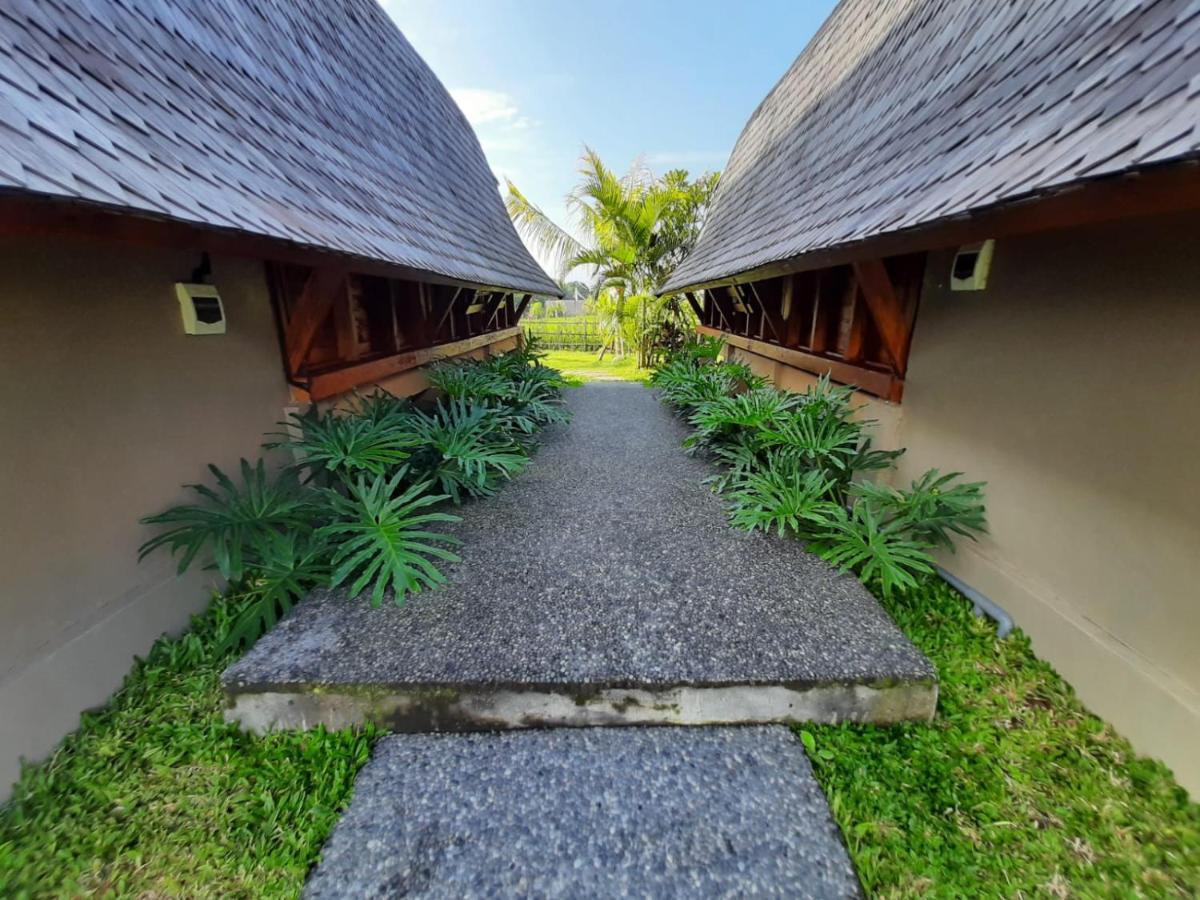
[971,266]
[200,305]
[200,302]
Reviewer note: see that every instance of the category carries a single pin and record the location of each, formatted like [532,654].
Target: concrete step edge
[487,708]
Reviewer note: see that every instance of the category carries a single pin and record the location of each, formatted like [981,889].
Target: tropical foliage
[361,504]
[793,464]
[635,229]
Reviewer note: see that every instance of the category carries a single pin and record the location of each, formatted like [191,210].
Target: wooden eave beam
[886,308]
[22,216]
[338,381]
[521,308]
[312,308]
[881,384]
[695,305]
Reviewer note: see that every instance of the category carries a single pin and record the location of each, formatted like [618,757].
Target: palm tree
[634,230]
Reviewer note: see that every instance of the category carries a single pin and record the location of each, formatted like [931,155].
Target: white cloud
[482,106]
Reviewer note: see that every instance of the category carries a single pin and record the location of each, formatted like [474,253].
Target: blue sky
[674,81]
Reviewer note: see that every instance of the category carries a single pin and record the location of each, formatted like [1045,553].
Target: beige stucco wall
[107,409]
[1072,386]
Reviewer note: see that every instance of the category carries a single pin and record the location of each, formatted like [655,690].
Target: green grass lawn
[156,796]
[1014,790]
[582,365]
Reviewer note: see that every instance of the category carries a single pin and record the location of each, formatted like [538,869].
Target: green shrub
[233,521]
[335,447]
[465,449]
[379,535]
[794,463]
[355,507]
[781,498]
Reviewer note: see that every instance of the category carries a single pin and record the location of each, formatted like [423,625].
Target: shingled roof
[903,112]
[313,123]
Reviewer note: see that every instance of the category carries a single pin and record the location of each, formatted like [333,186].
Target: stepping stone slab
[619,812]
[604,586]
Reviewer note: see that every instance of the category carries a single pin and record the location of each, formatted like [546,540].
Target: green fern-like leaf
[466,449]
[783,499]
[878,552]
[933,508]
[380,538]
[347,445]
[717,421]
[467,381]
[283,569]
[232,517]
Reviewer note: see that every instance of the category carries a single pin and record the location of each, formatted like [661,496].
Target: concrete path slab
[637,812]
[602,587]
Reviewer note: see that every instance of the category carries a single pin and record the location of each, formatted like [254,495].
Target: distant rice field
[565,332]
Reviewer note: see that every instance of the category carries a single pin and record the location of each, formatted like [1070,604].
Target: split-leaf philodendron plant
[792,464]
[361,504]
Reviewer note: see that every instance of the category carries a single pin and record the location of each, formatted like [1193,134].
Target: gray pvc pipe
[983,606]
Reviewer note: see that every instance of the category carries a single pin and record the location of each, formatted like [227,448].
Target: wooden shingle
[311,123]
[902,113]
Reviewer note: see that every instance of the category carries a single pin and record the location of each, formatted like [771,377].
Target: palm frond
[549,239]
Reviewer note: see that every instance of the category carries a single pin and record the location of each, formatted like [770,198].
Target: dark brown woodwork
[521,308]
[331,384]
[880,383]
[886,308]
[824,311]
[721,301]
[54,218]
[490,308]
[794,317]
[852,327]
[695,305]
[448,311]
[321,291]
[770,313]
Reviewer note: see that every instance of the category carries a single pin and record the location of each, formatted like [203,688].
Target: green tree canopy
[633,230]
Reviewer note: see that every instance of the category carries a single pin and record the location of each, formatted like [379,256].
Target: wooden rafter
[720,300]
[312,308]
[491,308]
[851,327]
[521,308]
[790,306]
[818,334]
[448,310]
[770,316]
[695,304]
[886,308]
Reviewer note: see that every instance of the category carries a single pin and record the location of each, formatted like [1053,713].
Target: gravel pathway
[606,563]
[645,812]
